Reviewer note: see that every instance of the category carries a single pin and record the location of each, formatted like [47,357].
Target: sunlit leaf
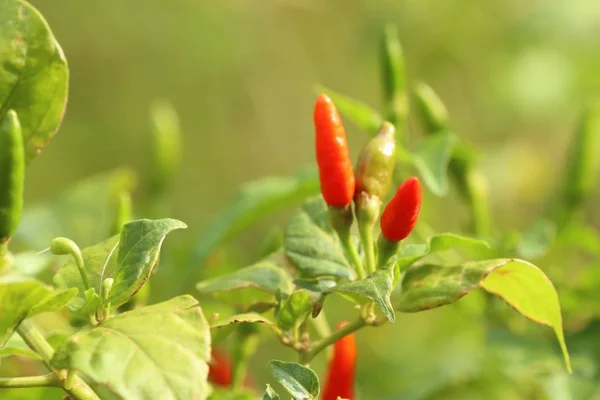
[300,382]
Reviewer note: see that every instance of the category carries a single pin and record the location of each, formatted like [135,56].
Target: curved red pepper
[341,371]
[400,215]
[336,173]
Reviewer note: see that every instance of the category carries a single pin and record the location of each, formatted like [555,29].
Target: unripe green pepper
[12,175]
[433,112]
[165,146]
[376,163]
[394,78]
[584,159]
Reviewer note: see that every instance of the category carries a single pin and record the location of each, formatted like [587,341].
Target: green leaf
[301,382]
[15,346]
[312,244]
[410,253]
[536,240]
[22,298]
[155,352]
[129,259]
[270,394]
[252,318]
[376,287]
[294,310]
[83,213]
[362,115]
[431,159]
[266,275]
[254,201]
[520,284]
[33,74]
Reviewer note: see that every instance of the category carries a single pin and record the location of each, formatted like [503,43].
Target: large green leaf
[361,115]
[431,158]
[33,74]
[520,284]
[224,327]
[15,346]
[129,259]
[376,287]
[254,201]
[301,382]
[22,298]
[410,253]
[155,352]
[312,244]
[83,213]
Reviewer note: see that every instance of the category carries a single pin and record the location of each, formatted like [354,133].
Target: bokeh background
[514,75]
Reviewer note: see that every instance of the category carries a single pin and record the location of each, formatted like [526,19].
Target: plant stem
[79,390]
[49,380]
[350,248]
[334,337]
[366,236]
[321,325]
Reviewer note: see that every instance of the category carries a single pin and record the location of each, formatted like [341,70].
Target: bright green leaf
[376,287]
[431,159]
[254,201]
[252,318]
[22,298]
[520,284]
[128,258]
[294,310]
[301,382]
[312,244]
[155,352]
[33,74]
[83,213]
[362,115]
[410,253]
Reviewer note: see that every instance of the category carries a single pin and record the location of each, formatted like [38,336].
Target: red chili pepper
[400,215]
[335,167]
[340,374]
[219,371]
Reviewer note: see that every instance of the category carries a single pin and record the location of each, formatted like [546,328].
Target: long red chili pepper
[335,167]
[400,215]
[342,367]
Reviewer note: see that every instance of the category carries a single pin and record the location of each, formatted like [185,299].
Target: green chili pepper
[165,146]
[376,163]
[431,109]
[584,159]
[12,175]
[394,78]
[123,212]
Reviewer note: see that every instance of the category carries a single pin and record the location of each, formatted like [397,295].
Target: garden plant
[359,236]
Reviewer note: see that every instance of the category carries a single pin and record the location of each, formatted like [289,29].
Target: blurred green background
[513,74]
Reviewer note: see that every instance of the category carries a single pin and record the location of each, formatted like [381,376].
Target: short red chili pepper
[400,215]
[335,167]
[342,367]
[220,369]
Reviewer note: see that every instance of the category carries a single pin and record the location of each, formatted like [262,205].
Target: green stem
[79,390]
[334,337]
[350,248]
[366,237]
[49,380]
[321,325]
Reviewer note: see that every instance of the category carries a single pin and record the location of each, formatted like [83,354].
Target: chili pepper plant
[90,256]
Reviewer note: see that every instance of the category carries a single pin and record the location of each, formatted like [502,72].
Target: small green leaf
[410,253]
[312,244]
[362,115]
[129,259]
[266,275]
[270,394]
[376,287]
[520,284]
[294,310]
[301,382]
[253,318]
[431,159]
[83,213]
[155,352]
[254,201]
[22,298]
[33,74]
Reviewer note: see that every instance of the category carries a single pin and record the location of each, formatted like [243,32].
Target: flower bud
[376,163]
